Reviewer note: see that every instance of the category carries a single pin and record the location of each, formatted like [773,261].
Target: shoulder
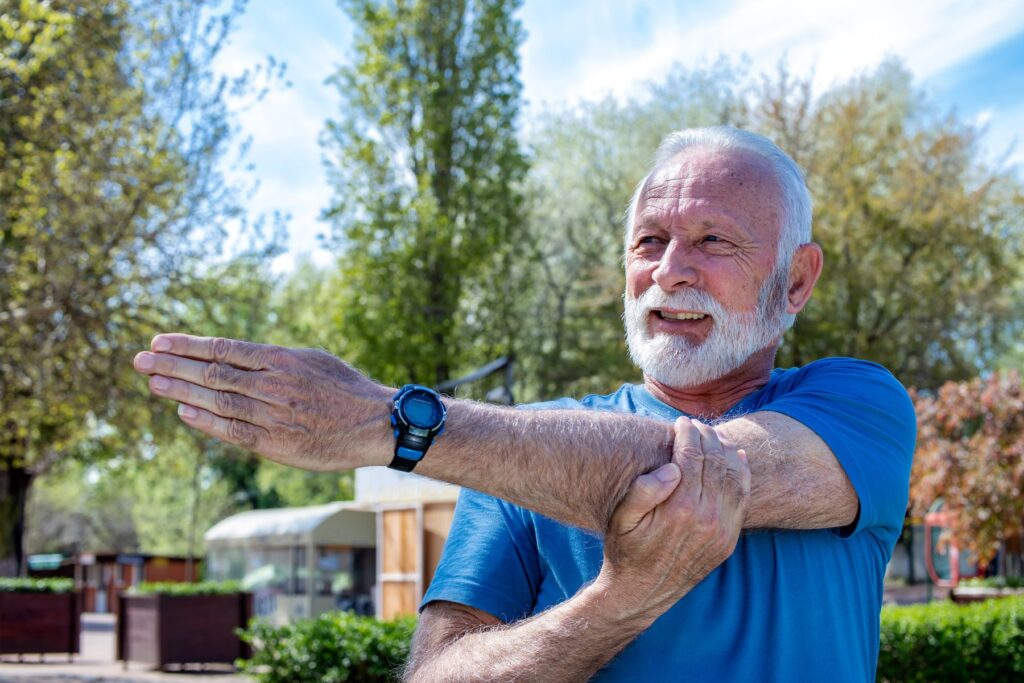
[624,399]
[844,382]
[835,367]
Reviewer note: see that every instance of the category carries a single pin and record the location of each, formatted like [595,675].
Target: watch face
[421,411]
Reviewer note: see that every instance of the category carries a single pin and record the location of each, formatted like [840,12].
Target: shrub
[995,582]
[36,585]
[947,642]
[200,588]
[334,647]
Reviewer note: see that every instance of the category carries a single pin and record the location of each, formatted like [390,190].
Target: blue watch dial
[421,412]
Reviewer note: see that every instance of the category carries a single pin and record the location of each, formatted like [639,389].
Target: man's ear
[804,272]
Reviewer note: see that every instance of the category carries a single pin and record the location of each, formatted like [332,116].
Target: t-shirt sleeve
[867,418]
[489,561]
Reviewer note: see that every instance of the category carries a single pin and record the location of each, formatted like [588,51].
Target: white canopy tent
[298,561]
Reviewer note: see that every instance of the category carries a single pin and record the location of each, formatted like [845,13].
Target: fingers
[221,403]
[715,467]
[211,375]
[744,472]
[645,493]
[244,434]
[241,354]
[688,454]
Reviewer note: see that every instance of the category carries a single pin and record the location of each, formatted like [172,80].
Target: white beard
[675,362]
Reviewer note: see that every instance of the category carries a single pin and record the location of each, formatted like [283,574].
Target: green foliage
[112,133]
[936,642]
[994,582]
[586,162]
[154,503]
[334,647]
[294,487]
[947,642]
[175,588]
[922,237]
[13,585]
[427,168]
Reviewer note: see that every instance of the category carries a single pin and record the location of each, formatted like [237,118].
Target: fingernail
[666,473]
[161,383]
[145,362]
[161,344]
[187,412]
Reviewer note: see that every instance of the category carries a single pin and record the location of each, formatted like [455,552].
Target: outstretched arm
[673,527]
[308,409]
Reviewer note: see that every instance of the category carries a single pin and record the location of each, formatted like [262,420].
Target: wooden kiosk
[414,515]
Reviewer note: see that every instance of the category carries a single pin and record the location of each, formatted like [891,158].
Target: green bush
[334,647]
[200,588]
[982,641]
[995,582]
[36,585]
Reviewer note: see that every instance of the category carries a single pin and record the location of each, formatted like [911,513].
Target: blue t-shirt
[786,606]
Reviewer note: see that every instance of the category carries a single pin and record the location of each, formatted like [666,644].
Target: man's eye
[649,239]
[714,239]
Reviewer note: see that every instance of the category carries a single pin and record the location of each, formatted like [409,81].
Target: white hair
[795,200]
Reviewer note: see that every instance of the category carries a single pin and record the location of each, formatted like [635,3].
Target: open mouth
[680,315]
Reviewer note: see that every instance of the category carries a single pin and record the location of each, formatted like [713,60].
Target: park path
[96,664]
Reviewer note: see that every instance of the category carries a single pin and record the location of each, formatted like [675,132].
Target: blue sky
[966,55]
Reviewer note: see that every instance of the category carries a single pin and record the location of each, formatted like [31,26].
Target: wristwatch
[417,415]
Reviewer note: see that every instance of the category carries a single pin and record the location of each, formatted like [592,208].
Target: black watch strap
[409,450]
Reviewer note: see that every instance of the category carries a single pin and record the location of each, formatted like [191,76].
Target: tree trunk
[14,485]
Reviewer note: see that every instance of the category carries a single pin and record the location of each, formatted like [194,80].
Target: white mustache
[693,300]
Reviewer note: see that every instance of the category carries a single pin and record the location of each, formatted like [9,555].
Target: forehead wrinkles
[715,176]
[731,181]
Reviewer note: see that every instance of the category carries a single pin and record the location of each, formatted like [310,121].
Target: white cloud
[285,125]
[586,49]
[837,39]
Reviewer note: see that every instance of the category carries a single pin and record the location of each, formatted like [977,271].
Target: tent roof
[293,522]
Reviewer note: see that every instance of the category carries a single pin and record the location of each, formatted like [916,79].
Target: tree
[922,238]
[586,162]
[426,166]
[970,453]
[112,130]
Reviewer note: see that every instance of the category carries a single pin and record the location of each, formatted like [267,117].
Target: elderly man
[718,261]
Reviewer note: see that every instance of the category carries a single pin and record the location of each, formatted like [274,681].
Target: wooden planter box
[38,623]
[182,629]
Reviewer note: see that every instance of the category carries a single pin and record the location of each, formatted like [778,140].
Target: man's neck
[711,400]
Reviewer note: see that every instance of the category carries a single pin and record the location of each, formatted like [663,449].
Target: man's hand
[677,523]
[300,407]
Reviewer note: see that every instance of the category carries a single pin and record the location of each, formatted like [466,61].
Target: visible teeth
[682,316]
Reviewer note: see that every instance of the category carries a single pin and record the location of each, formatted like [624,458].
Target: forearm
[570,642]
[574,465]
[571,465]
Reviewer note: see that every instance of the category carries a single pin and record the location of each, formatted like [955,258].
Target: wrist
[616,605]
[375,442]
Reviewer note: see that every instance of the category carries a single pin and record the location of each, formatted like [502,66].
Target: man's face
[702,289]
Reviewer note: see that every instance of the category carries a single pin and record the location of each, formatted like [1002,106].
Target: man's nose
[676,268]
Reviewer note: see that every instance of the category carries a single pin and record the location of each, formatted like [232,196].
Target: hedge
[334,647]
[980,642]
[182,588]
[995,582]
[937,642]
[10,585]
